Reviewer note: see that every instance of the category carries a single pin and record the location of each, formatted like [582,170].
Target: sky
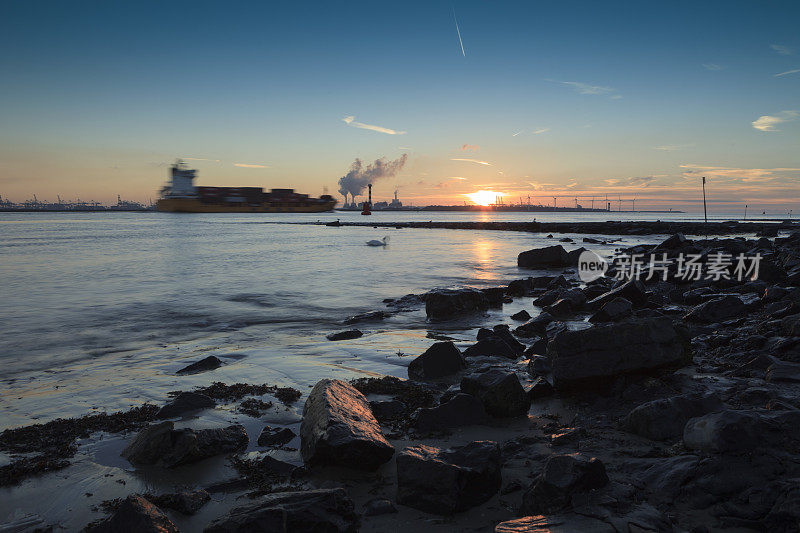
[572,99]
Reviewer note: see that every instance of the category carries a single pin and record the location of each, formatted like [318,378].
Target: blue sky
[560,99]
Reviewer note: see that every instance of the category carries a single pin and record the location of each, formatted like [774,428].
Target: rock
[186,502]
[717,310]
[365,317]
[519,287]
[632,290]
[541,388]
[613,310]
[387,409]
[549,257]
[667,476]
[499,391]
[161,444]
[566,436]
[725,431]
[563,476]
[665,418]
[339,428]
[442,304]
[590,356]
[440,360]
[495,295]
[790,325]
[135,515]
[379,506]
[782,371]
[504,332]
[185,402]
[270,436]
[535,327]
[521,316]
[328,510]
[493,346]
[566,523]
[674,242]
[209,363]
[538,365]
[447,481]
[344,335]
[460,410]
[574,255]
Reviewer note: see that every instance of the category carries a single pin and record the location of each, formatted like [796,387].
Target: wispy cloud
[540,131]
[782,49]
[768,122]
[486,163]
[713,66]
[458,30]
[351,120]
[249,165]
[586,88]
[788,72]
[470,147]
[671,147]
[515,134]
[636,181]
[758,175]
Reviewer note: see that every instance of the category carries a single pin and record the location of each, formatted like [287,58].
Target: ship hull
[190,205]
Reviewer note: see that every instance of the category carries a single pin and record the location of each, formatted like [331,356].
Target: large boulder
[591,356]
[665,418]
[493,346]
[537,326]
[632,290]
[328,510]
[185,402]
[549,257]
[612,311]
[209,363]
[460,410]
[440,360]
[339,428]
[447,481]
[563,476]
[441,304]
[135,515]
[163,445]
[725,431]
[717,310]
[499,391]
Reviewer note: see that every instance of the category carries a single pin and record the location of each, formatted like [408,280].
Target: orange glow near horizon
[484,197]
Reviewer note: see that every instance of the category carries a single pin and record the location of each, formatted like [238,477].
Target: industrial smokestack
[359,177]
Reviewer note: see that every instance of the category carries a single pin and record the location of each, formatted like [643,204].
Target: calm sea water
[99,309]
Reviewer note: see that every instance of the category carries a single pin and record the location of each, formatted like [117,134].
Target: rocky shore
[631,405]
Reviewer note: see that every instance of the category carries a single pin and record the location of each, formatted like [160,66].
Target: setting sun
[484,197]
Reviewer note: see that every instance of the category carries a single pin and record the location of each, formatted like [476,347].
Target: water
[99,309]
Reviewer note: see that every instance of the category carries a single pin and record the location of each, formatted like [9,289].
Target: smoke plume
[359,176]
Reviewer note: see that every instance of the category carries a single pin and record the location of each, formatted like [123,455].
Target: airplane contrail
[459,33]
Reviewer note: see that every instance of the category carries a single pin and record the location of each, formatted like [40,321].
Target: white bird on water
[375,242]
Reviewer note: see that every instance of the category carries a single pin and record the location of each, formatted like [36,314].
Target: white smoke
[357,179]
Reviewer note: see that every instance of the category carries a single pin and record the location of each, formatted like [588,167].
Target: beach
[108,308]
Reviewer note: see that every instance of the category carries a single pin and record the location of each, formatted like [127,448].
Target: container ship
[182,196]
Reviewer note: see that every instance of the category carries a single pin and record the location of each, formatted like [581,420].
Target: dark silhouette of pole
[705,209]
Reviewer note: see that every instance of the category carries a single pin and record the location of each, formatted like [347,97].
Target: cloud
[246,165]
[515,134]
[350,120]
[768,122]
[747,175]
[782,49]
[670,147]
[470,147]
[793,71]
[540,131]
[637,181]
[586,88]
[713,66]
[486,163]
